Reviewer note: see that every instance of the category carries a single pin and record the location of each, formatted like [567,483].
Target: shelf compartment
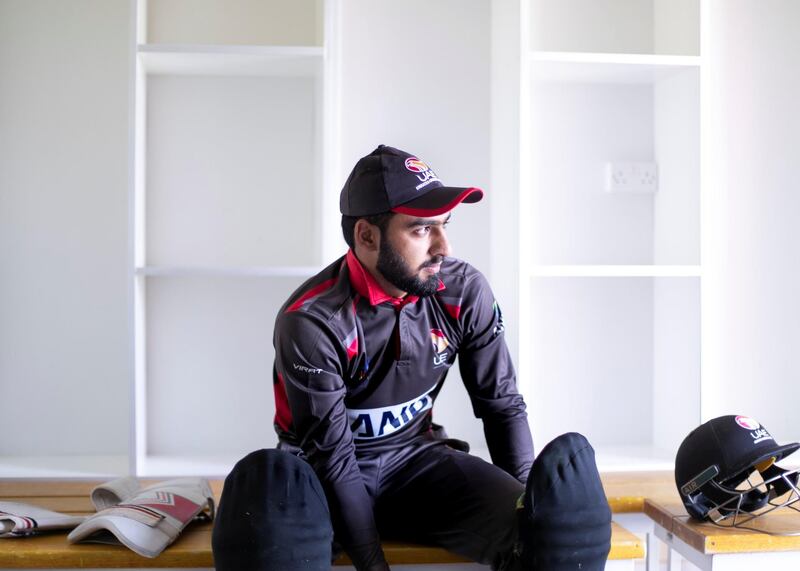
[222,189]
[616,26]
[606,353]
[267,22]
[284,61]
[577,129]
[208,367]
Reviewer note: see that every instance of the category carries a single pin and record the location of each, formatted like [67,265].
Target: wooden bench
[712,548]
[628,491]
[193,548]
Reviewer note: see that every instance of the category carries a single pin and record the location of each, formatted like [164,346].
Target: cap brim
[439,201]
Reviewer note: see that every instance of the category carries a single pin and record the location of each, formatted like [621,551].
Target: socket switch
[641,178]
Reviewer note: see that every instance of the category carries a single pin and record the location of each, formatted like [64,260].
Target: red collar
[369,288]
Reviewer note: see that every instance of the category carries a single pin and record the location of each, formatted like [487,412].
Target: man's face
[411,252]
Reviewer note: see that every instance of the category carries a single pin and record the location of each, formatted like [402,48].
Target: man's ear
[366,236]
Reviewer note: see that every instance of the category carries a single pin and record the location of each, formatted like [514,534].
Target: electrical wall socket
[639,178]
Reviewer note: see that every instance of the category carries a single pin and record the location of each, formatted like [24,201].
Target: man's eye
[422,230]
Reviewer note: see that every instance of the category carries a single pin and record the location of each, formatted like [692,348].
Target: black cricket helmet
[726,471]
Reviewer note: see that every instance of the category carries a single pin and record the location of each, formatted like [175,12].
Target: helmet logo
[747,423]
[757,432]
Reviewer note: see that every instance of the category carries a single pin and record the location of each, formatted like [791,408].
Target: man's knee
[566,520]
[272,516]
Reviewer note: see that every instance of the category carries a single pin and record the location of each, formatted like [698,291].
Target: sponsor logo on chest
[371,423]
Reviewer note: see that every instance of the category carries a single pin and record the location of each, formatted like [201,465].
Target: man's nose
[441,245]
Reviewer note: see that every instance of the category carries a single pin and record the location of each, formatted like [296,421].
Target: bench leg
[653,562]
[674,561]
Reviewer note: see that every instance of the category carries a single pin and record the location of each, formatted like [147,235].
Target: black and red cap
[391,180]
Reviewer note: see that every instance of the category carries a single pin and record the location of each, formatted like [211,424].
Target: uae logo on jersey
[440,345]
[440,342]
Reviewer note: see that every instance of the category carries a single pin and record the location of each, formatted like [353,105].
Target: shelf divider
[227,60]
[607,68]
[254,271]
[615,271]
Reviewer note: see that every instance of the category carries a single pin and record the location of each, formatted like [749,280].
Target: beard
[395,269]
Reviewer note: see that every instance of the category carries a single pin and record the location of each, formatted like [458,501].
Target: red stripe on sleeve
[283,414]
[313,292]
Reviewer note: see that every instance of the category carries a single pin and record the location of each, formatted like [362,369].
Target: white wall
[247,22]
[64,89]
[415,75]
[582,25]
[676,207]
[756,55]
[576,129]
[220,399]
[211,143]
[593,336]
[413,79]
[677,28]
[676,361]
[64,306]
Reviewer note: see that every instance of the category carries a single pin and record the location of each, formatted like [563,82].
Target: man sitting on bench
[362,351]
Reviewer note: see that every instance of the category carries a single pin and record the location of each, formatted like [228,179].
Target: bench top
[193,549]
[627,491]
[711,539]
[193,546]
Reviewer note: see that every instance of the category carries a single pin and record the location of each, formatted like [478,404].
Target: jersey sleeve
[489,376]
[308,362]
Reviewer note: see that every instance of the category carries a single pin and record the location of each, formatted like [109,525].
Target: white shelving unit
[233,108]
[610,283]
[241,143]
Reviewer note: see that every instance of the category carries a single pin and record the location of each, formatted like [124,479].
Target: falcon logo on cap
[747,423]
[423,172]
[415,165]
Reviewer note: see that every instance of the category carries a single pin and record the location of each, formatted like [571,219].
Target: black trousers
[273,514]
[431,494]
